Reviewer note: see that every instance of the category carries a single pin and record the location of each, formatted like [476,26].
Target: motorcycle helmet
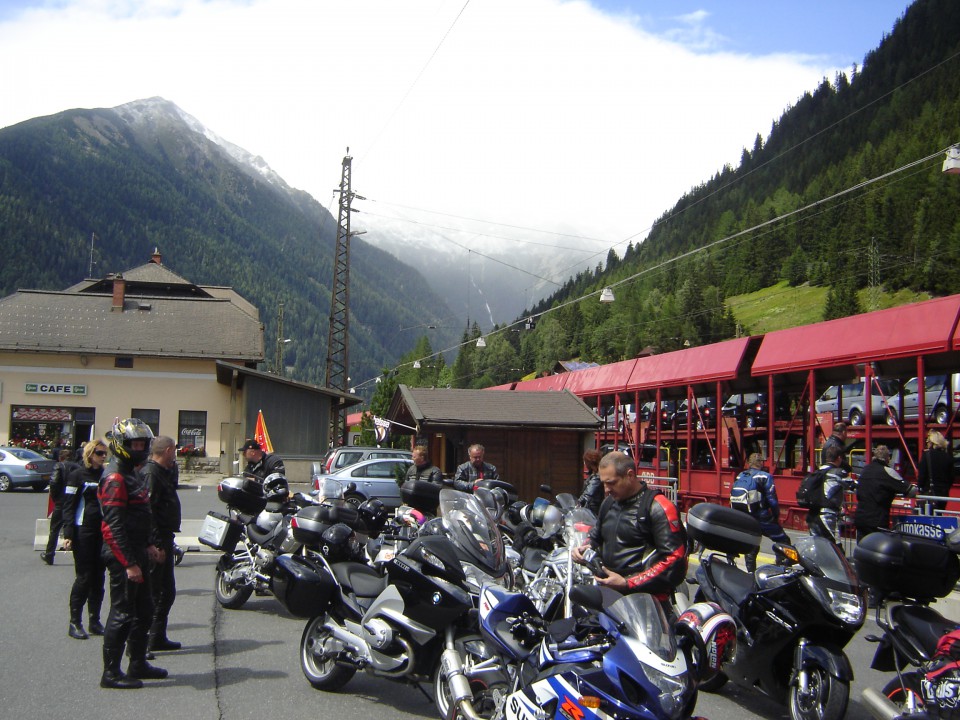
[374,514]
[124,434]
[338,543]
[276,488]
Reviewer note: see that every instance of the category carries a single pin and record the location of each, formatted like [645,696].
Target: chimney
[119,292]
[156,257]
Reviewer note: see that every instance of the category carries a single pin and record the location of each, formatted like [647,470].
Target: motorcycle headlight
[673,691]
[476,578]
[845,606]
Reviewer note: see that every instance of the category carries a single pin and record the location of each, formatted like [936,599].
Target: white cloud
[539,113]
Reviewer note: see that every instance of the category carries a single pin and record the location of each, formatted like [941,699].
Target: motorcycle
[907,573]
[793,620]
[549,575]
[251,536]
[621,660]
[400,625]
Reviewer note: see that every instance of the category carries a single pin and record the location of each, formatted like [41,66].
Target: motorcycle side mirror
[351,487]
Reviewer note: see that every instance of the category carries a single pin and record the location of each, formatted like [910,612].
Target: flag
[261,435]
[381,429]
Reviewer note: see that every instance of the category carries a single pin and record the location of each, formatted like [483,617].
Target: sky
[566,125]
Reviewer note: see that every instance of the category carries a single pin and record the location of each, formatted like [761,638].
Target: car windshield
[470,527]
[639,616]
[825,555]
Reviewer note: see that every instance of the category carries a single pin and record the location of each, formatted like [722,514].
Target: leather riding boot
[158,640]
[138,666]
[76,630]
[95,626]
[113,676]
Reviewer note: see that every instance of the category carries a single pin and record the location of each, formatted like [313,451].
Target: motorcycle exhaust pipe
[879,705]
[460,693]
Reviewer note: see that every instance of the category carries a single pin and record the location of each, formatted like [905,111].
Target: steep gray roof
[43,321]
[449,406]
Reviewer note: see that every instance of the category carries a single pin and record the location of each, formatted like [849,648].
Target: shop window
[192,433]
[150,417]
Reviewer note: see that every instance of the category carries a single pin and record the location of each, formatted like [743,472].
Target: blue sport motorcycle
[618,659]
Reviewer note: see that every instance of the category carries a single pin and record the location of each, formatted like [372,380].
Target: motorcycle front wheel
[320,669]
[229,595]
[826,697]
[471,650]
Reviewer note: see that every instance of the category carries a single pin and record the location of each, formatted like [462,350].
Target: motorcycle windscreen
[826,556]
[473,531]
[639,616]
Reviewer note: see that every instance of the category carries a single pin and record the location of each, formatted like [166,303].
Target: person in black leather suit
[128,552]
[162,477]
[81,533]
[260,464]
[639,534]
[592,495]
[58,481]
[467,474]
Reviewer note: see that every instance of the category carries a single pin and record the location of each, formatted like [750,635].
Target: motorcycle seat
[259,536]
[363,580]
[922,625]
[736,583]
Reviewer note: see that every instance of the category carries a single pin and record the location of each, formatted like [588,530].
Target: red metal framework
[799,363]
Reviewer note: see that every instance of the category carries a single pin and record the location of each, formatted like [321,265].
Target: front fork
[807,655]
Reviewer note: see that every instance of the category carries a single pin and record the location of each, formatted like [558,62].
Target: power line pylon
[338,341]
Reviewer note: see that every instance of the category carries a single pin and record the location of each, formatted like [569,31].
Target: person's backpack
[747,494]
[810,492]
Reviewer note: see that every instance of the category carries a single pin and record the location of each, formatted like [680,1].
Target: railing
[921,505]
[666,485]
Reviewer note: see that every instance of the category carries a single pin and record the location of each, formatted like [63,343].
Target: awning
[902,332]
[602,380]
[694,366]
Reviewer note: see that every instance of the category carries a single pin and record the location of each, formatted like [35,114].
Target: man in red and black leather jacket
[127,550]
[639,535]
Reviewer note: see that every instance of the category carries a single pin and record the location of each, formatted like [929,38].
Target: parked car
[854,400]
[20,466]
[752,409]
[377,478]
[941,396]
[613,419]
[350,454]
[705,418]
[668,408]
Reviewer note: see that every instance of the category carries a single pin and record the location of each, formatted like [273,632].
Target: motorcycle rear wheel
[230,596]
[894,691]
[321,671]
[826,699]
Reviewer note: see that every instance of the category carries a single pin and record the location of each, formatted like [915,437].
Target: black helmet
[275,487]
[338,543]
[121,437]
[373,513]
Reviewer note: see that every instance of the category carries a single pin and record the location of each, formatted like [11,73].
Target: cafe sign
[51,389]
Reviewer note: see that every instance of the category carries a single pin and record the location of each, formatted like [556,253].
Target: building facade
[148,343]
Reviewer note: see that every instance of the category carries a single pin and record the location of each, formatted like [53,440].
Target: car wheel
[6,484]
[856,417]
[941,415]
[751,421]
[354,499]
[891,417]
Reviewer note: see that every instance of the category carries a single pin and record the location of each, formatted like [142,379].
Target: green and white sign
[53,389]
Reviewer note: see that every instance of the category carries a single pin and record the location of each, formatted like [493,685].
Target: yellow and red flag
[261,435]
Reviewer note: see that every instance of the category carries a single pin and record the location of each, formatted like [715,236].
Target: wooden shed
[532,438]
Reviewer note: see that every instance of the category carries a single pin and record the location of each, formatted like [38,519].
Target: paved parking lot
[234,664]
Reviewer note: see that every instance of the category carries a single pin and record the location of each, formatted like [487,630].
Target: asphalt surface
[235,664]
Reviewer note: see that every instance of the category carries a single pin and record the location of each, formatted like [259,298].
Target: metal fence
[903,513]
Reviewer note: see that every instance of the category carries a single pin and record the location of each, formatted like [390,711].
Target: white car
[380,478]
